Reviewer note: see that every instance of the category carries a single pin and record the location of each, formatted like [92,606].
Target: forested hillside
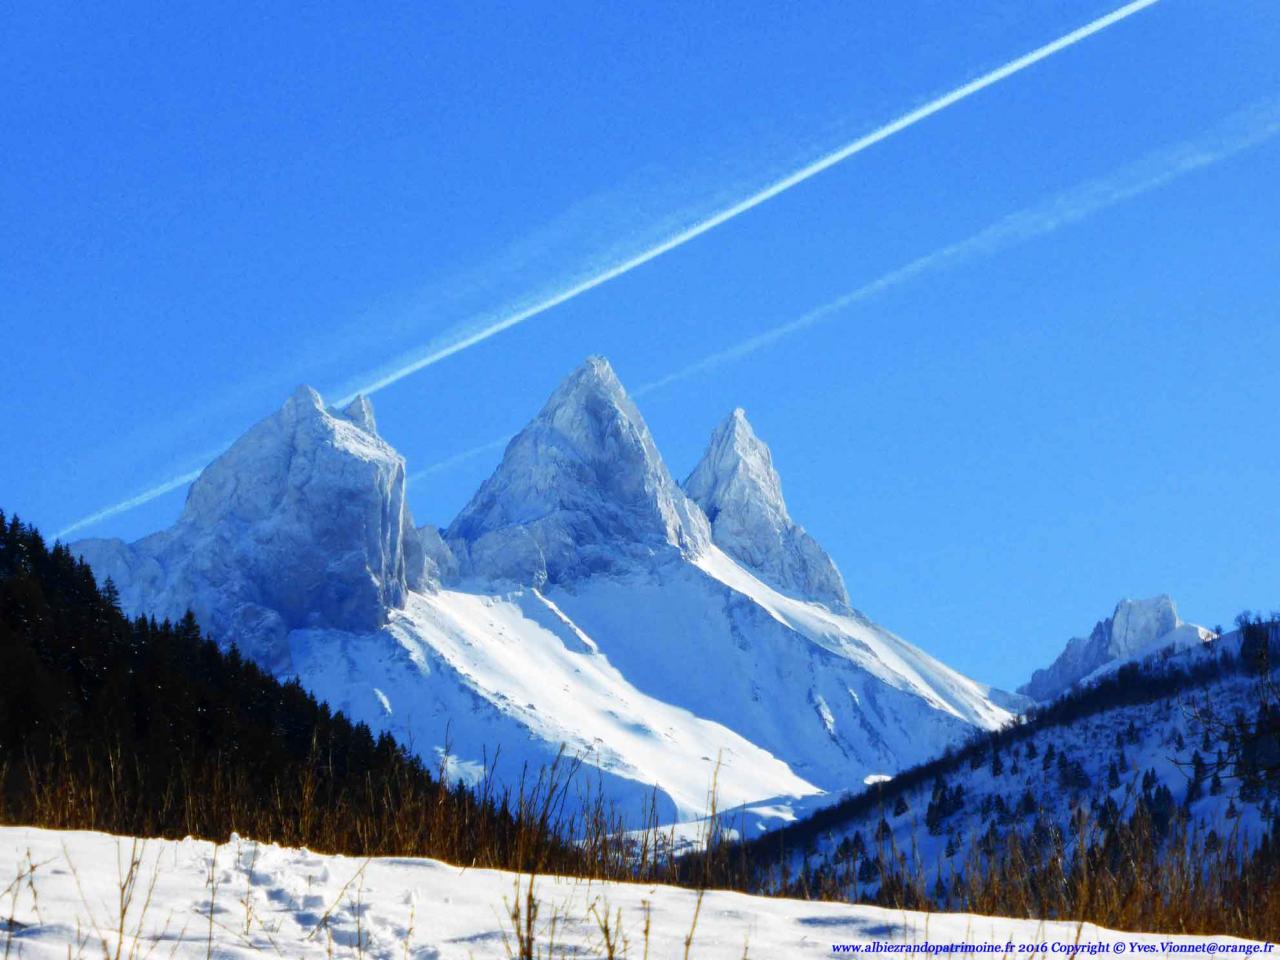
[1147,800]
[146,728]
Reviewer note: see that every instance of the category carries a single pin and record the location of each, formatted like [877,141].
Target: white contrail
[447,349]
[1241,131]
[442,350]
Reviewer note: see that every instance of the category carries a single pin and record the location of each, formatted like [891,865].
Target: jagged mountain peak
[306,405]
[304,397]
[737,463]
[301,522]
[591,409]
[598,371]
[276,454]
[740,492]
[360,412]
[579,490]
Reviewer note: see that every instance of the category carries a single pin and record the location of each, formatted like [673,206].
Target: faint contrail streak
[1242,130]
[146,496]
[447,349]
[457,458]
[441,350]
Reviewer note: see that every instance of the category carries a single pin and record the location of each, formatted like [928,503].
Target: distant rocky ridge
[1135,628]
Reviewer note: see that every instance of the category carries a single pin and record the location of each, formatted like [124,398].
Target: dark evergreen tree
[1027,805]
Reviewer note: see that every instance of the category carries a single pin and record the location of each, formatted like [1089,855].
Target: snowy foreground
[190,899]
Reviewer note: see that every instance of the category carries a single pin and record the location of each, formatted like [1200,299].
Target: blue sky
[201,208]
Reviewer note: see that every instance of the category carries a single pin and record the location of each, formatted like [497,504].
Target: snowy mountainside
[1154,732]
[510,673]
[578,600]
[1135,629]
[800,699]
[240,899]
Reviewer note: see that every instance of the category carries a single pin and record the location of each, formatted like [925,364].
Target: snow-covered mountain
[582,598]
[1135,629]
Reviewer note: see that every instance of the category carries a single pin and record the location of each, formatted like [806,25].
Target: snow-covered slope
[578,600]
[512,672]
[785,699]
[738,489]
[191,899]
[301,523]
[1135,629]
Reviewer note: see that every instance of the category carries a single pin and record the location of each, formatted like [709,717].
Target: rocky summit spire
[301,523]
[360,412]
[740,493]
[580,490]
[1135,627]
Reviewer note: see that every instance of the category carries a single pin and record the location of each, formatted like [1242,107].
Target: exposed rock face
[1135,626]
[302,523]
[738,489]
[581,490]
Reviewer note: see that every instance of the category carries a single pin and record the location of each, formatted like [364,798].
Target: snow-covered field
[71,894]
